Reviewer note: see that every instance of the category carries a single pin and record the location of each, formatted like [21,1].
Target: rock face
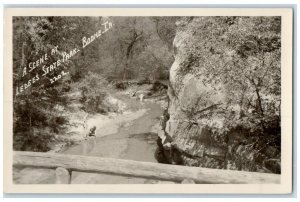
[198,111]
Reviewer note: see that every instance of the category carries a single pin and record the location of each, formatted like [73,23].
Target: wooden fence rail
[65,164]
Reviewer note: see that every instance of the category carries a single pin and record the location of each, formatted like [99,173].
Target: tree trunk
[259,102]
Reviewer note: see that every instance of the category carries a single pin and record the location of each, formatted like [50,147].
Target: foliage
[166,29]
[131,49]
[137,51]
[93,93]
[240,57]
[38,110]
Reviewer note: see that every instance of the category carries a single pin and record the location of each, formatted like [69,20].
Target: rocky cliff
[218,118]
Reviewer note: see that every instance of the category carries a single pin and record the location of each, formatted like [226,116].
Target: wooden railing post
[63,176]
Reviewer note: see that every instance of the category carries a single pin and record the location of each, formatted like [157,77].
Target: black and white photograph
[161,100]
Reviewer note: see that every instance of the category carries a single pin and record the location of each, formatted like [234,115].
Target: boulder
[199,109]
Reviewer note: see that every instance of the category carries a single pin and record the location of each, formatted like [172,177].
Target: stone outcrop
[196,112]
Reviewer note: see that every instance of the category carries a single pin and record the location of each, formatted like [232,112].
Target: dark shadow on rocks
[168,155]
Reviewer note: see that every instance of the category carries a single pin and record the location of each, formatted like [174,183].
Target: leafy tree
[94,91]
[36,114]
[136,50]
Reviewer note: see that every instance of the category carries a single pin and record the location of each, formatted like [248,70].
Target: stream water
[134,140]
